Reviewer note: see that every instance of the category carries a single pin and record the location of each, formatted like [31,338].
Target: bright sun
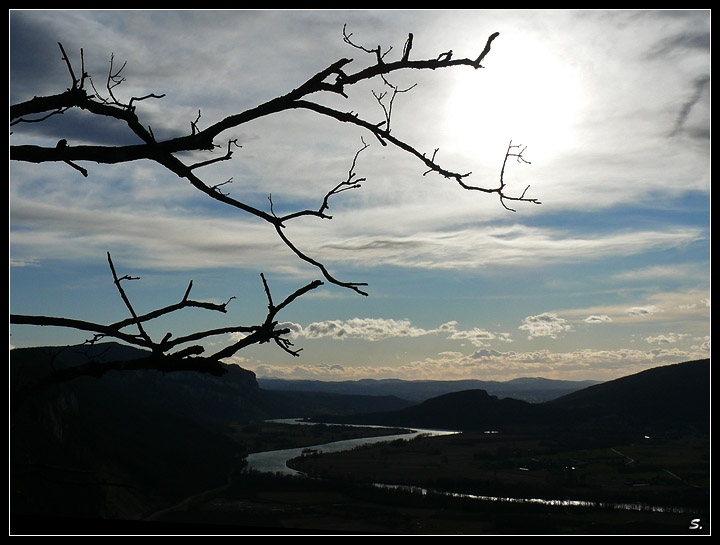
[526,94]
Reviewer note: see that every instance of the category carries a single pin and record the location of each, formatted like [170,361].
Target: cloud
[163,240]
[476,336]
[370,329]
[485,354]
[669,338]
[376,329]
[320,371]
[488,364]
[643,311]
[295,330]
[164,236]
[430,236]
[693,40]
[27,262]
[545,325]
[681,305]
[512,245]
[598,319]
[655,272]
[701,90]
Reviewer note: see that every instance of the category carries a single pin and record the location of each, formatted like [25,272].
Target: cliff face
[194,395]
[121,445]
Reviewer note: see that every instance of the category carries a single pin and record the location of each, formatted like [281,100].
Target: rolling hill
[673,398]
[668,397]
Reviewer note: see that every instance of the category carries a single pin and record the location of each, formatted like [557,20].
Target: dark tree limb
[125,299]
[202,140]
[81,325]
[337,79]
[160,358]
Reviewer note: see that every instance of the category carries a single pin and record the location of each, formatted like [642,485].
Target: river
[275,461]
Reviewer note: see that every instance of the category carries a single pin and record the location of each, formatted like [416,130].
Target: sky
[609,276]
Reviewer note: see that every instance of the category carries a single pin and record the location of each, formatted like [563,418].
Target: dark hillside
[467,410]
[133,441]
[674,398]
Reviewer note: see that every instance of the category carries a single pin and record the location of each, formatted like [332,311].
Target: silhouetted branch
[125,299]
[185,303]
[82,325]
[159,358]
[486,50]
[267,332]
[75,82]
[387,107]
[226,157]
[351,182]
[336,79]
[500,190]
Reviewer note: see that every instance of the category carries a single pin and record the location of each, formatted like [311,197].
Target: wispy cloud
[517,245]
[190,239]
[680,305]
[655,272]
[700,89]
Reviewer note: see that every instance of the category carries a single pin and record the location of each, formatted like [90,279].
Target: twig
[125,299]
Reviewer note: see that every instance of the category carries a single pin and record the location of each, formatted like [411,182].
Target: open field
[670,472]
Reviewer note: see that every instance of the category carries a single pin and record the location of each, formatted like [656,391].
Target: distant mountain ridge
[531,389]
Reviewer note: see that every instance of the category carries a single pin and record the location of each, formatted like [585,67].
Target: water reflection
[275,461]
[540,501]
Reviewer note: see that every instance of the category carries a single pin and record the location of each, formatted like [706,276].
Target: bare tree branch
[160,357]
[125,299]
[82,325]
[267,332]
[336,79]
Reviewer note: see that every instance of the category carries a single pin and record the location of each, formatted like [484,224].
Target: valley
[471,484]
[146,453]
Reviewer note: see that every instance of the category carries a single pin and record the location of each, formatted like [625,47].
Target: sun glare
[526,94]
